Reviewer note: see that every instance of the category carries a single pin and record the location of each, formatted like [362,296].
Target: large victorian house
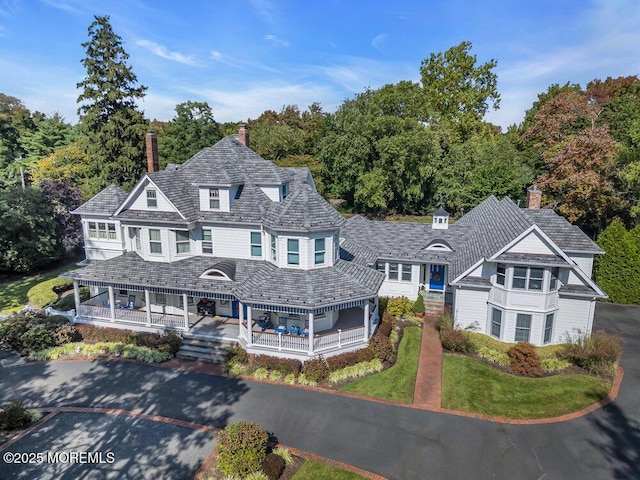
[229,233]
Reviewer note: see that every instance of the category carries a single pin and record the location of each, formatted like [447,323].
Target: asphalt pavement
[396,442]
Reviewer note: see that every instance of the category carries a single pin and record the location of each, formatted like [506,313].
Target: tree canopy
[112,126]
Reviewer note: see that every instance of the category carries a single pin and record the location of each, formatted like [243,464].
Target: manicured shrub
[285,454]
[285,366]
[343,360]
[455,340]
[390,319]
[524,360]
[382,304]
[237,354]
[364,355]
[170,342]
[599,353]
[384,329]
[554,364]
[445,321]
[381,347]
[12,329]
[42,294]
[65,303]
[37,337]
[495,356]
[65,333]
[52,322]
[316,370]
[93,334]
[399,306]
[356,371]
[418,305]
[273,466]
[15,415]
[144,339]
[242,448]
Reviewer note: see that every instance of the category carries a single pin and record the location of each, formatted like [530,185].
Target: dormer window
[238,192]
[152,200]
[285,190]
[214,199]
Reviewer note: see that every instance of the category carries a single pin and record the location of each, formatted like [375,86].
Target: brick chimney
[151,142]
[534,197]
[243,134]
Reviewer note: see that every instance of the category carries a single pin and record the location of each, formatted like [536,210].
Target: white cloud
[378,41]
[274,40]
[354,74]
[161,51]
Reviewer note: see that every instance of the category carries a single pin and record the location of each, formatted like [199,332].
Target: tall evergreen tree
[113,126]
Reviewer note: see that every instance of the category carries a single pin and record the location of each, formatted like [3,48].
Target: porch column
[366,321]
[311,333]
[76,296]
[241,315]
[250,326]
[147,303]
[185,306]
[112,304]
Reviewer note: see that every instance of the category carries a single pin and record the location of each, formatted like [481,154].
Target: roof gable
[137,199]
[104,203]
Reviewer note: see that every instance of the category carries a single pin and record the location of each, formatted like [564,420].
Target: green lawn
[397,382]
[473,386]
[13,293]
[312,470]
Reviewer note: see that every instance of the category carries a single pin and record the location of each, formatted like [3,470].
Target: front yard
[472,386]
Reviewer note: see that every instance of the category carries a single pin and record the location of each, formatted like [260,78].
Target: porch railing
[321,342]
[128,315]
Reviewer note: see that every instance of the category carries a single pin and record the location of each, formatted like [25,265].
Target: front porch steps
[204,347]
[433,303]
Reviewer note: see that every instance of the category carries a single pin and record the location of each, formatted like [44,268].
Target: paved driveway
[397,442]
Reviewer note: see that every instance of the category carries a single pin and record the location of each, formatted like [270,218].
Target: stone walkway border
[53,411]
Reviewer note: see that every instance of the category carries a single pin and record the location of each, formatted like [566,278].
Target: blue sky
[246,56]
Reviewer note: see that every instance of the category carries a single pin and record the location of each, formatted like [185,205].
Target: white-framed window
[501,274]
[553,283]
[293,251]
[285,190]
[527,278]
[256,244]
[273,248]
[134,235]
[152,200]
[548,328]
[496,322]
[320,250]
[406,273]
[214,199]
[207,242]
[183,245]
[380,266]
[102,230]
[523,327]
[155,241]
[393,271]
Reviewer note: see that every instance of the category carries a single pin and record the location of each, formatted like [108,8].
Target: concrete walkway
[428,388]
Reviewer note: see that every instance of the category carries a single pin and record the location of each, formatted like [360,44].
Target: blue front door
[436,277]
[235,309]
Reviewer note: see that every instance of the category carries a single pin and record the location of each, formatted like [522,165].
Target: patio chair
[132,301]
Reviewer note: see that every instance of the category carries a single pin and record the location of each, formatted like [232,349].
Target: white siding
[399,288]
[471,308]
[234,242]
[531,243]
[574,317]
[224,198]
[139,202]
[311,249]
[272,191]
[584,261]
[102,248]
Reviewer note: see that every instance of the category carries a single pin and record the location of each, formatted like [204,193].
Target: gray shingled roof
[567,236]
[304,210]
[532,259]
[255,281]
[249,208]
[578,290]
[104,203]
[479,234]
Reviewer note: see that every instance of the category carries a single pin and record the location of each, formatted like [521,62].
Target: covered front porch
[302,335]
